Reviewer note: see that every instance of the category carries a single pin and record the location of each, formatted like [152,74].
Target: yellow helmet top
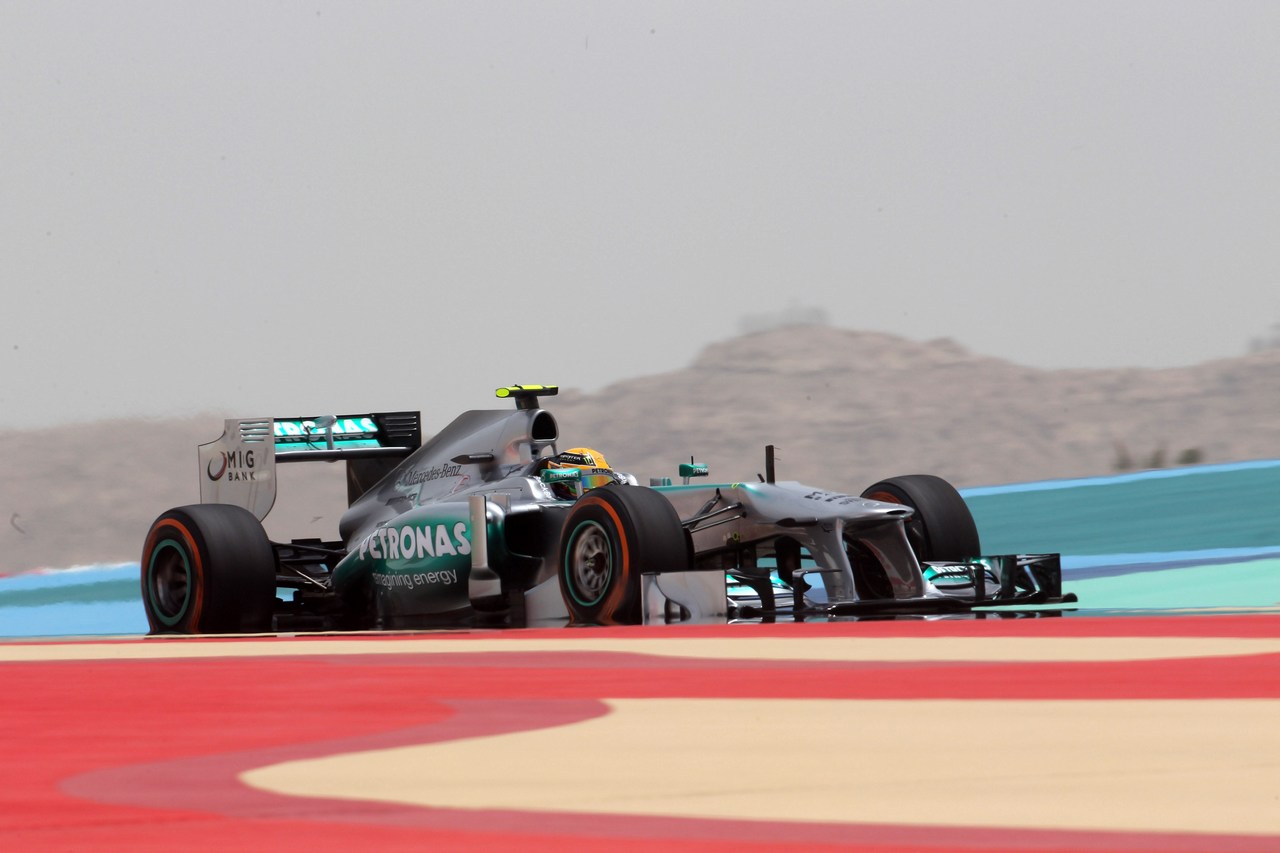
[579,457]
[595,468]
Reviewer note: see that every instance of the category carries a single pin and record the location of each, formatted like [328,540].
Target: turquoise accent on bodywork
[677,487]
[560,475]
[419,563]
[424,553]
[314,444]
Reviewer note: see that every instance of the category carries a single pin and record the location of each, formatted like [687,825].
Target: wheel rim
[589,563]
[169,582]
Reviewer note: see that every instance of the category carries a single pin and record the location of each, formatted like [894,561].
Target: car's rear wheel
[942,527]
[611,537]
[208,569]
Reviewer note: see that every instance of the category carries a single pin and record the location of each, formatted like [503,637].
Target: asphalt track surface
[1052,734]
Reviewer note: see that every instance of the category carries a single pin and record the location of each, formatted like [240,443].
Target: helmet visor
[595,477]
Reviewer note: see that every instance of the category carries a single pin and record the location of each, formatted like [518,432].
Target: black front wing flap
[1021,582]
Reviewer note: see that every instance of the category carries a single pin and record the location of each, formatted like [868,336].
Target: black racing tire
[942,527]
[612,536]
[208,569]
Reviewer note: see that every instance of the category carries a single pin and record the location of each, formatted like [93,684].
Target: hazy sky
[293,208]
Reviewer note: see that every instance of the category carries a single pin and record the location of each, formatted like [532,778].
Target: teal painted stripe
[112,590]
[1205,557]
[1115,479]
[1248,585]
[53,578]
[87,619]
[1205,508]
[87,600]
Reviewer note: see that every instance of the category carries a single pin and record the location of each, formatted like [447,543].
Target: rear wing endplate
[239,467]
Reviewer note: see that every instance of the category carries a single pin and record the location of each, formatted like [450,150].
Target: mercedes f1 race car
[488,524]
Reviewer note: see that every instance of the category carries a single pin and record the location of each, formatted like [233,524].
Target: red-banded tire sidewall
[612,536]
[208,569]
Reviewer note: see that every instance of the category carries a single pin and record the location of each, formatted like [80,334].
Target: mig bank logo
[235,466]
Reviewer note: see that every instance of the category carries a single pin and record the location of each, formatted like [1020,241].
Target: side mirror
[693,469]
[564,476]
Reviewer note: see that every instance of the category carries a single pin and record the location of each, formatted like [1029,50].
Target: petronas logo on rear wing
[392,431]
[328,432]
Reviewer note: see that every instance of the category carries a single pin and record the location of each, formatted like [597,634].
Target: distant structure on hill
[792,315]
[1268,340]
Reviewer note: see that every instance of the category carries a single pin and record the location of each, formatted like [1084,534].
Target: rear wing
[239,467]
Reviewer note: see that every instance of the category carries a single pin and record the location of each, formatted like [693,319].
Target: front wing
[1018,583]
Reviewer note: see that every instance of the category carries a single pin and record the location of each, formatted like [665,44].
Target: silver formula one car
[487,523]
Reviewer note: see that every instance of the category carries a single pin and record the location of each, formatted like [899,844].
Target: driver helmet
[595,469]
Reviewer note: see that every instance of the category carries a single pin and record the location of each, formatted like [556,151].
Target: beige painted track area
[847,649]
[1166,766]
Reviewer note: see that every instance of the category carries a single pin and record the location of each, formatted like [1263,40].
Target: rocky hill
[844,408]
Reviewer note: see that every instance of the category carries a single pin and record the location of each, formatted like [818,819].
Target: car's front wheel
[611,537]
[942,527]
